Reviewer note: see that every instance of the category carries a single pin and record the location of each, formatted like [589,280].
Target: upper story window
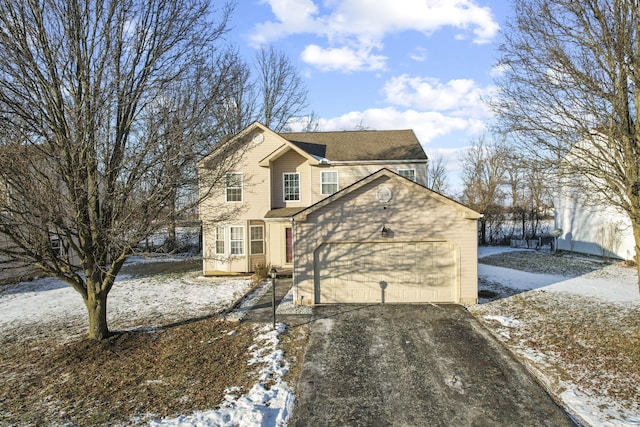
[234,187]
[291,187]
[328,182]
[408,173]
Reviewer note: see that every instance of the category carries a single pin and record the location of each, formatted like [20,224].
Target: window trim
[252,240]
[227,188]
[413,170]
[218,237]
[284,188]
[241,240]
[322,182]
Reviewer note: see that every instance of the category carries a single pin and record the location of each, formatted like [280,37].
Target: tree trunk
[636,234]
[97,308]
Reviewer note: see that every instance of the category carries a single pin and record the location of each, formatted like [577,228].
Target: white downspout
[293,260]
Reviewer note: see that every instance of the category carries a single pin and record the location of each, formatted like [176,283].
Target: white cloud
[428,125]
[360,26]
[292,17]
[343,59]
[419,54]
[499,70]
[458,96]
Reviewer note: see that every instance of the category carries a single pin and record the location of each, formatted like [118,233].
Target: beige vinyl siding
[349,174]
[290,162]
[256,203]
[414,214]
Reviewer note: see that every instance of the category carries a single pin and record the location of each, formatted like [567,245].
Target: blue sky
[424,65]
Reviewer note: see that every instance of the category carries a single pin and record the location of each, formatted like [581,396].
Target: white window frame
[240,241]
[227,187]
[324,182]
[252,240]
[402,172]
[218,237]
[284,186]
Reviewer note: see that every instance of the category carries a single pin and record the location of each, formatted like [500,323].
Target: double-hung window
[328,182]
[408,173]
[291,187]
[219,239]
[236,240]
[234,187]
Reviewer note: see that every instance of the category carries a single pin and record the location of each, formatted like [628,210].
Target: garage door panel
[410,272]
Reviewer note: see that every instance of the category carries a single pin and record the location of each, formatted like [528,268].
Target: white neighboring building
[597,230]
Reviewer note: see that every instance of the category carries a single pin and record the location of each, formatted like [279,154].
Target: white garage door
[373,272]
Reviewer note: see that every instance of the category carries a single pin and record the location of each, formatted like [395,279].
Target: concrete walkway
[262,311]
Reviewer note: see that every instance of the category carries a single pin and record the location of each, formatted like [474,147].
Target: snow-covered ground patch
[578,333]
[268,403]
[155,301]
[144,302]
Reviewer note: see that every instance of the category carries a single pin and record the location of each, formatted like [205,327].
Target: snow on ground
[268,403]
[150,301]
[612,283]
[605,292]
[160,298]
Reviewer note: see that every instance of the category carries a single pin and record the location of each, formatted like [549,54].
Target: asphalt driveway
[413,365]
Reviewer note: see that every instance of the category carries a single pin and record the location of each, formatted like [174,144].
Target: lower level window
[219,240]
[257,239]
[236,240]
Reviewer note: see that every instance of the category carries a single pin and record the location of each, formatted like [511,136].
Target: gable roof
[340,146]
[361,145]
[464,210]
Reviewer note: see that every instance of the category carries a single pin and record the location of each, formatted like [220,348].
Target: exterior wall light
[385,231]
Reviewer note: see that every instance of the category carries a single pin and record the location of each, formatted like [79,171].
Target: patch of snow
[618,284]
[248,302]
[136,300]
[505,321]
[597,410]
[268,403]
[613,284]
[287,306]
[484,251]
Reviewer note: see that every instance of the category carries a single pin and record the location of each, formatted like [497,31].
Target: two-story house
[347,211]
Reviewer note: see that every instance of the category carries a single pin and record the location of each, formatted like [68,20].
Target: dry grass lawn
[134,374]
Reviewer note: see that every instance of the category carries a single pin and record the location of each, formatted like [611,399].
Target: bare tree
[281,91]
[437,175]
[239,107]
[483,174]
[569,92]
[97,125]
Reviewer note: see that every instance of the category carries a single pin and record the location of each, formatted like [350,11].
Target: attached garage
[390,272]
[385,239]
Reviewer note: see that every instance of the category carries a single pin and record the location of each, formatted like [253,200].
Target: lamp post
[274,274]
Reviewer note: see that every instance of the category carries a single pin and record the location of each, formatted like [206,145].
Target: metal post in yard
[274,273]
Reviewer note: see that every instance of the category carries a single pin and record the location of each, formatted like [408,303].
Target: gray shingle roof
[283,212]
[359,145]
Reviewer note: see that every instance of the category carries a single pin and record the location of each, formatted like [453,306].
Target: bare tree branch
[104,109]
[569,95]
